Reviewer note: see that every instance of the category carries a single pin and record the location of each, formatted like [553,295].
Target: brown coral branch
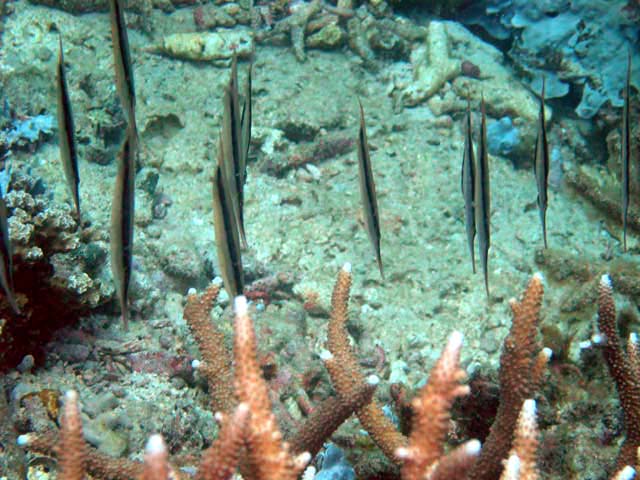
[432,415]
[96,464]
[216,360]
[347,376]
[156,459]
[268,457]
[622,372]
[220,460]
[329,415]
[520,373]
[525,444]
[72,446]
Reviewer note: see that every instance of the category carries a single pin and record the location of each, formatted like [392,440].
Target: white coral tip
[455,340]
[373,380]
[472,447]
[326,355]
[347,267]
[155,444]
[240,305]
[605,281]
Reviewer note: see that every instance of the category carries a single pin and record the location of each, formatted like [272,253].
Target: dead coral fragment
[217,46]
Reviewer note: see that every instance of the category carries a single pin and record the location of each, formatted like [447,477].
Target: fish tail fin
[125,318]
[544,232]
[11,298]
[486,283]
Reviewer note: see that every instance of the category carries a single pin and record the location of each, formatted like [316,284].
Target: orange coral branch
[432,407]
[220,460]
[330,414]
[268,456]
[216,360]
[623,373]
[156,460]
[347,377]
[72,446]
[520,373]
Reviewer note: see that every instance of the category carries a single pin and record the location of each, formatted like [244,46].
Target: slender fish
[68,152]
[6,258]
[122,61]
[245,126]
[541,166]
[483,199]
[231,161]
[625,150]
[368,191]
[122,215]
[227,237]
[468,179]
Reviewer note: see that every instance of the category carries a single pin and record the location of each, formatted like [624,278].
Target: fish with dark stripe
[6,258]
[226,230]
[468,179]
[122,61]
[230,163]
[68,151]
[245,126]
[625,150]
[122,221]
[368,191]
[483,199]
[541,166]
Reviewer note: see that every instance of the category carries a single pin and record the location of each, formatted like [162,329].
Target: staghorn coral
[624,372]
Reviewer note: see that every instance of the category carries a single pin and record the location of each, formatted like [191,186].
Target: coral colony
[230,141]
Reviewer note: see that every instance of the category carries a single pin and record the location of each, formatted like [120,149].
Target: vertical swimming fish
[122,216]
[541,166]
[483,199]
[68,152]
[122,61]
[231,161]
[625,151]
[6,258]
[226,229]
[468,179]
[245,125]
[368,191]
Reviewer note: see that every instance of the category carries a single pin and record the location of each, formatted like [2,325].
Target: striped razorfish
[483,199]
[368,191]
[68,152]
[232,166]
[625,151]
[122,61]
[245,127]
[122,216]
[468,179]
[6,258]
[226,230]
[541,166]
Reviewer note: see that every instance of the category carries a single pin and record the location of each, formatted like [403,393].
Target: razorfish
[368,191]
[122,216]
[122,61]
[6,258]
[68,151]
[226,230]
[468,185]
[483,199]
[541,166]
